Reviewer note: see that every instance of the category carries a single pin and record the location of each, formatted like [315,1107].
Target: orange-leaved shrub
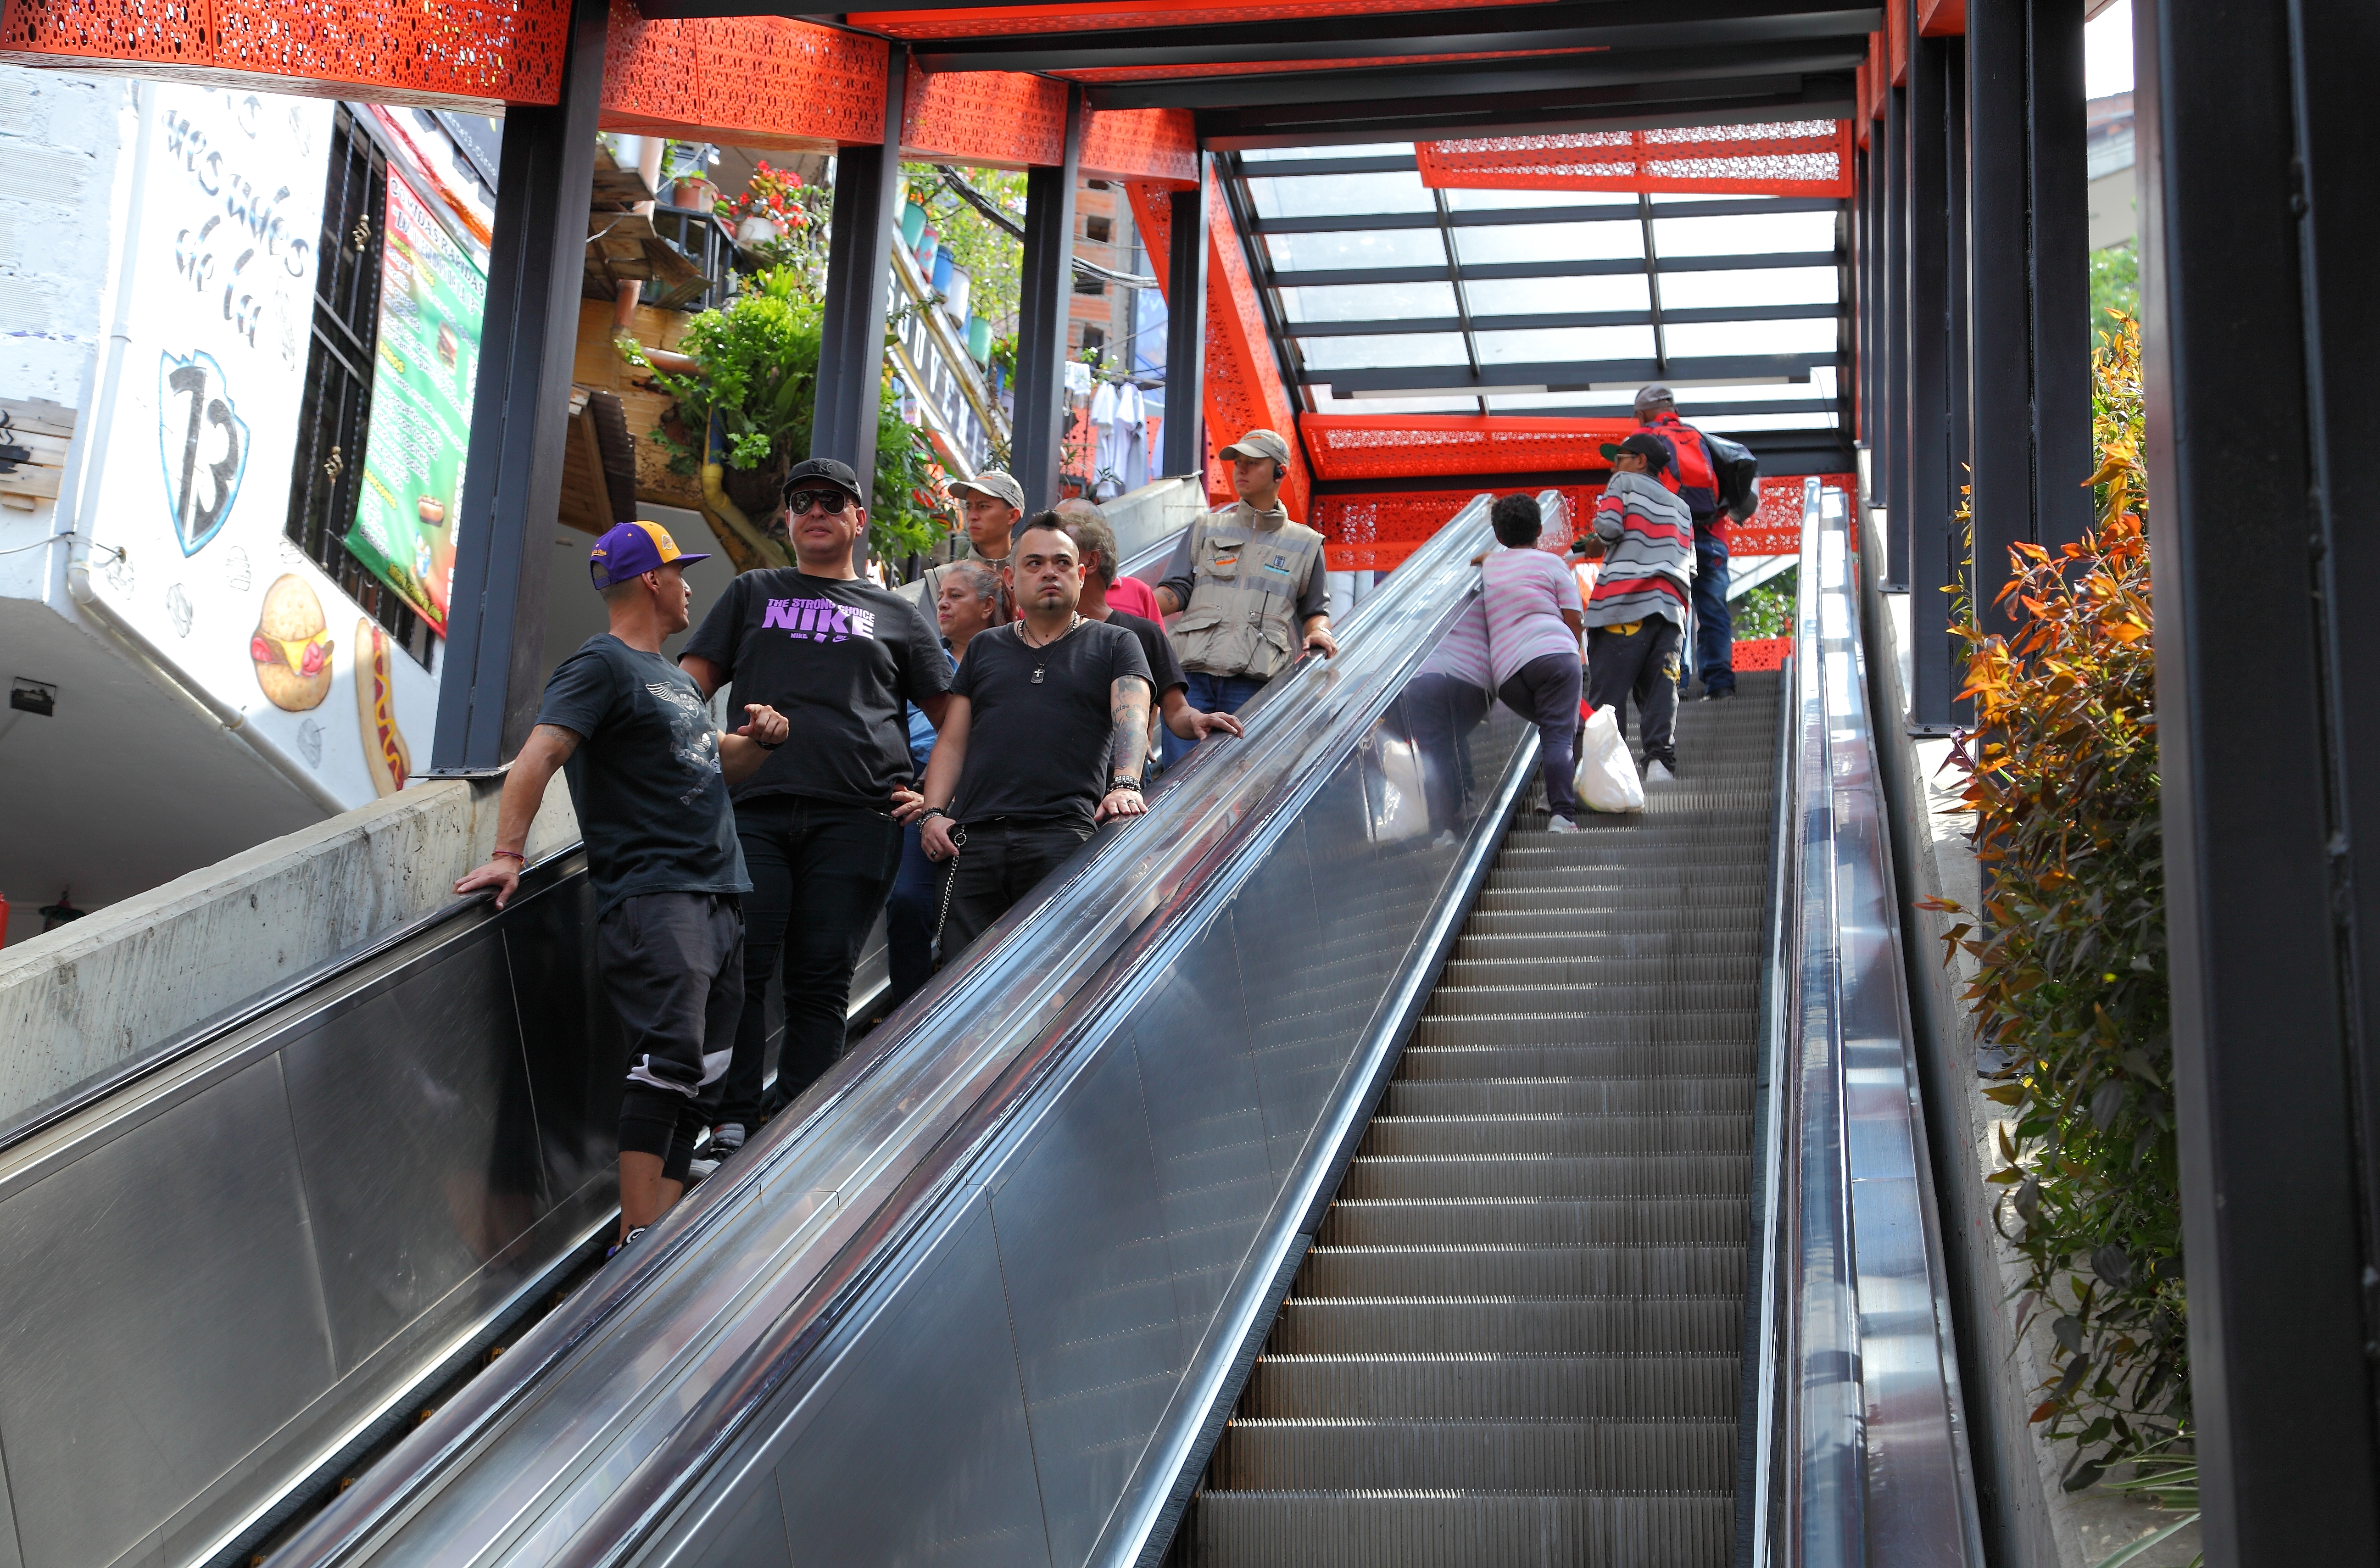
[2069,989]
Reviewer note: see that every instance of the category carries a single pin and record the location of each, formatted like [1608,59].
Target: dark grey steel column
[1925,416]
[1891,461]
[1049,285]
[488,684]
[2060,275]
[2259,316]
[1999,265]
[1185,330]
[1958,561]
[858,292]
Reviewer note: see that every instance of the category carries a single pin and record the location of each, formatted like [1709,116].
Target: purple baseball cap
[630,550]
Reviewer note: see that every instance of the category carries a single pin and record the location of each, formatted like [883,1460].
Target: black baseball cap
[1656,456]
[810,471]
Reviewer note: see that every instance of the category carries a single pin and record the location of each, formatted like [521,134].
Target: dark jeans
[1644,667]
[1439,712]
[1714,626]
[1001,861]
[1545,691]
[673,965]
[819,873]
[909,920]
[1209,694]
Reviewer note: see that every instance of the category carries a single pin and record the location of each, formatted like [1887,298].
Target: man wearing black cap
[650,775]
[1249,587]
[1637,614]
[840,658]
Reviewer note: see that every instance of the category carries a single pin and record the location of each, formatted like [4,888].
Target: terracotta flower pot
[696,195]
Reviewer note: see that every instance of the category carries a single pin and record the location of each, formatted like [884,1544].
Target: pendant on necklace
[1037,674]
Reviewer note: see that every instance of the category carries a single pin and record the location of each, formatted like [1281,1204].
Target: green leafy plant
[757,375]
[2069,946]
[2165,1480]
[1768,610]
[2115,288]
[993,258]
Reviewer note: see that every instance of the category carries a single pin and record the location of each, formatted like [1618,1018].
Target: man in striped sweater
[1638,616]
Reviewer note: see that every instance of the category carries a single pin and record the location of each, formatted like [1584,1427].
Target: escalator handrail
[1012,961]
[1867,1454]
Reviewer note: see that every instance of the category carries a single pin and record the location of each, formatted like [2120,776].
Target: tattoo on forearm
[565,741]
[1128,741]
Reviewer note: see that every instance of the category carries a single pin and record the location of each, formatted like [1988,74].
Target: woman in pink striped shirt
[1533,617]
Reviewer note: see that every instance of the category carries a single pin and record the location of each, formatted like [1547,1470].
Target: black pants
[819,873]
[1439,712]
[1001,861]
[1545,692]
[1644,666]
[673,965]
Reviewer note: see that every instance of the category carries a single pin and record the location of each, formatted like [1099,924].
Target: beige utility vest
[1242,618]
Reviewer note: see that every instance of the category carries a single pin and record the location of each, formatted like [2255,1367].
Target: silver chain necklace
[1038,647]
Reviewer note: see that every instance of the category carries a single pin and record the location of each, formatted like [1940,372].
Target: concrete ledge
[79,999]
[2028,1520]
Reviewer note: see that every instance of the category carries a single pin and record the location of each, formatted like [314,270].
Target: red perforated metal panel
[1797,158]
[755,81]
[1142,144]
[1760,654]
[1171,73]
[477,51]
[1008,20]
[1003,118]
[1363,446]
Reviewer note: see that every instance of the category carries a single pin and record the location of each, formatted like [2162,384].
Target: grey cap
[1658,393]
[993,482]
[1258,443]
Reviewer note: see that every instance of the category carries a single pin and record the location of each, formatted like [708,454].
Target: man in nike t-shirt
[841,658]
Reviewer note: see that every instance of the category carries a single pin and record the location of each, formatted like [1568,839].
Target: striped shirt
[1648,561]
[1525,591]
[1463,651]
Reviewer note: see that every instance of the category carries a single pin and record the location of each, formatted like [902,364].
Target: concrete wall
[81,999]
[2028,1520]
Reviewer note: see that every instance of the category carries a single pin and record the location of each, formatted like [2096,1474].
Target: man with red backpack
[1718,480]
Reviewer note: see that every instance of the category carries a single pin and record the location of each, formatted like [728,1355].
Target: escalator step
[1548,1175]
[1496,1133]
[1533,1387]
[1708,1096]
[1701,1325]
[1623,996]
[1655,1221]
[1473,1267]
[1443,1529]
[1571,1455]
[1671,1042]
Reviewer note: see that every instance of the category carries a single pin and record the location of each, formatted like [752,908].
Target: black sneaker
[1718,693]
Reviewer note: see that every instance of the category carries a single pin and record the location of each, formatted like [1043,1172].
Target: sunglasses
[831,502]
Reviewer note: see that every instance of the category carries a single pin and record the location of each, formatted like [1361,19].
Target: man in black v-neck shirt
[1044,737]
[840,658]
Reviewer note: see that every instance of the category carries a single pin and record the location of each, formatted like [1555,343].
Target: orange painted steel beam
[1941,19]
[749,82]
[1244,390]
[1008,21]
[1896,43]
[1787,158]
[476,54]
[1008,119]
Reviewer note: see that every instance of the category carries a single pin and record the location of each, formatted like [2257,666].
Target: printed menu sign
[431,299]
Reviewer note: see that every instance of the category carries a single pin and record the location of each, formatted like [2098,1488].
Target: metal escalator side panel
[578,1392]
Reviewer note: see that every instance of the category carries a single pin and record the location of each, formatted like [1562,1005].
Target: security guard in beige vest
[1248,586]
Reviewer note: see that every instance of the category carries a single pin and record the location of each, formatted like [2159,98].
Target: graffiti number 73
[202,444]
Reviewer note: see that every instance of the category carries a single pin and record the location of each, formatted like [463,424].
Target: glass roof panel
[1760,234]
[1506,200]
[1548,242]
[1398,350]
[1538,296]
[1292,154]
[1369,302]
[1753,285]
[1698,340]
[1353,248]
[1334,195]
[1326,404]
[1810,419]
[1562,344]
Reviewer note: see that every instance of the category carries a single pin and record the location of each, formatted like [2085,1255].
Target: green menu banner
[431,296]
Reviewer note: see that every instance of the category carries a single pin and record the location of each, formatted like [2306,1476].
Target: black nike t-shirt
[841,658]
[652,804]
[1038,748]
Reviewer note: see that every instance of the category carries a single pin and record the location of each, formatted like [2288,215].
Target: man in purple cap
[648,774]
[842,658]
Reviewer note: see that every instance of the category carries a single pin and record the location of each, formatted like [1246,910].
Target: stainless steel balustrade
[979,1290]
[1860,1430]
[225,1267]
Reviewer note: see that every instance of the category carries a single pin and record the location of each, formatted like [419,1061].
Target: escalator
[1518,1336]
[1295,1175]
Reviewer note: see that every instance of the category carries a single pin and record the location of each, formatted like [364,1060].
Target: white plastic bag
[1606,777]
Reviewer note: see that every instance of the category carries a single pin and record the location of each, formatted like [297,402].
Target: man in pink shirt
[1533,618]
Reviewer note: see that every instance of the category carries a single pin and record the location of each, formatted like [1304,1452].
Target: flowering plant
[774,194]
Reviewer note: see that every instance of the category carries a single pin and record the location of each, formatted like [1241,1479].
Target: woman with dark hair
[1533,619]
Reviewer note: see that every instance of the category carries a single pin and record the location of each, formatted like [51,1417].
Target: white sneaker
[1562,825]
[1658,771]
[1445,840]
